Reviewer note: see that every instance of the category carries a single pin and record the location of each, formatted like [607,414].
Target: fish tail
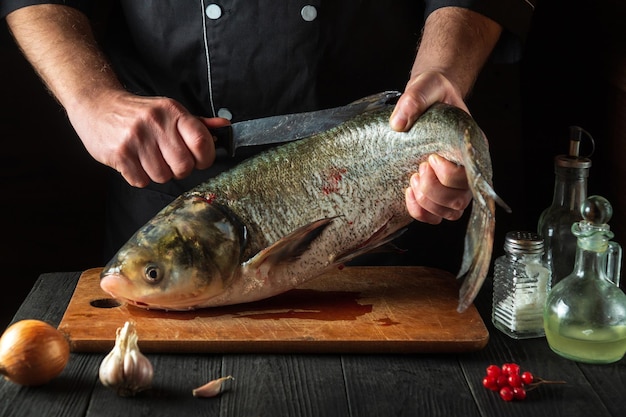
[476,254]
[480,229]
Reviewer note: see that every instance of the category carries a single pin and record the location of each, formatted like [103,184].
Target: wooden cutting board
[356,310]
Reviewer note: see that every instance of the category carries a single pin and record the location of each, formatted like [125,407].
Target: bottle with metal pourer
[570,190]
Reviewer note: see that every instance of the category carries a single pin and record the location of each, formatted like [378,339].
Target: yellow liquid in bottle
[582,344]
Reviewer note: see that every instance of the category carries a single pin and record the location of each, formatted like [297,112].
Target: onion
[32,352]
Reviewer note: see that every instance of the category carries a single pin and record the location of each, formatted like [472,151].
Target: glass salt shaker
[520,286]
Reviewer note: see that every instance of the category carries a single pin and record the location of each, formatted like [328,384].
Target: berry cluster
[510,383]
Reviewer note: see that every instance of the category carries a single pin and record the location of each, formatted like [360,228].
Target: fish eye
[153,273]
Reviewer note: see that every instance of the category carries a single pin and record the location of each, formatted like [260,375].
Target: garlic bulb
[32,352]
[125,368]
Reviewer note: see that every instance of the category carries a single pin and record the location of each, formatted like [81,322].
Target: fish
[298,210]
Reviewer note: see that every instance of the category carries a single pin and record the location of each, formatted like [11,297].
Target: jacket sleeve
[7,6]
[515,16]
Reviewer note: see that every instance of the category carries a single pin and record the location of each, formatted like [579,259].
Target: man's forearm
[143,138]
[59,43]
[457,43]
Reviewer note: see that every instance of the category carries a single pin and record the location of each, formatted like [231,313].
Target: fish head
[182,257]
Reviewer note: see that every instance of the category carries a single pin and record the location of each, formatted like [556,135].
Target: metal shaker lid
[522,242]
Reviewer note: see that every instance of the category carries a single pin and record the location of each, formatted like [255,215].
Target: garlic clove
[211,388]
[125,368]
[140,370]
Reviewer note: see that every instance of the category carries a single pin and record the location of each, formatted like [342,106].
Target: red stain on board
[385,322]
[302,304]
[309,305]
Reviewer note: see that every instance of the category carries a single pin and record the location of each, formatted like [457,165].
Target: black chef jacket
[243,59]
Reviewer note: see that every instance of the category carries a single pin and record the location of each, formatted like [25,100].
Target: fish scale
[289,214]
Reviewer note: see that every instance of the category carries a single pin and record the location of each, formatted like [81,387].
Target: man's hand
[455,44]
[146,138]
[421,92]
[438,191]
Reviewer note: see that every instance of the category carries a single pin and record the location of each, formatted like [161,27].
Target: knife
[295,126]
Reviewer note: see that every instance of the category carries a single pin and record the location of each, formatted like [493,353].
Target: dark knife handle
[224,139]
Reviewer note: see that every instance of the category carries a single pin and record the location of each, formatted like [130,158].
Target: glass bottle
[585,314]
[520,286]
[555,222]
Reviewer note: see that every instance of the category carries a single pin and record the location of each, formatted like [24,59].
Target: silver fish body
[291,213]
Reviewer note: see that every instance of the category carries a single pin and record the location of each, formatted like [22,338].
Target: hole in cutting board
[105,303]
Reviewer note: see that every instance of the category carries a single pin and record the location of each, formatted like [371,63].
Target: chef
[142,82]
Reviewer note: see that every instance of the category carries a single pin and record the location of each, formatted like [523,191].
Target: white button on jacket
[309,13]
[213,11]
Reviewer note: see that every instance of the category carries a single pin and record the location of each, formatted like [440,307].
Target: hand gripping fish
[289,214]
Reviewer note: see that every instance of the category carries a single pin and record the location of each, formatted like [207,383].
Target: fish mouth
[146,305]
[113,283]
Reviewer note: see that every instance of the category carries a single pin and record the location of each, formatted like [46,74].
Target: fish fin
[291,246]
[487,190]
[481,188]
[376,242]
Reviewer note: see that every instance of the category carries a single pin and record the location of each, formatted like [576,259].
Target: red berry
[493,370]
[510,383]
[519,393]
[510,368]
[505,368]
[491,383]
[506,393]
[503,381]
[515,380]
[527,378]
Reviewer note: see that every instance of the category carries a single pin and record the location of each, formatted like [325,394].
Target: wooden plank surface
[407,385]
[357,309]
[303,385]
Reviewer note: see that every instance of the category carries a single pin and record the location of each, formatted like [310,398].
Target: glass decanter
[585,313]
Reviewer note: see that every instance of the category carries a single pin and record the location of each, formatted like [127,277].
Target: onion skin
[32,353]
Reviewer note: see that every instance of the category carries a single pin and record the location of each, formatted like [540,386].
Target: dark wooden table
[318,385]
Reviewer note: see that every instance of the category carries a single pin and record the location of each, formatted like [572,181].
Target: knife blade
[295,126]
